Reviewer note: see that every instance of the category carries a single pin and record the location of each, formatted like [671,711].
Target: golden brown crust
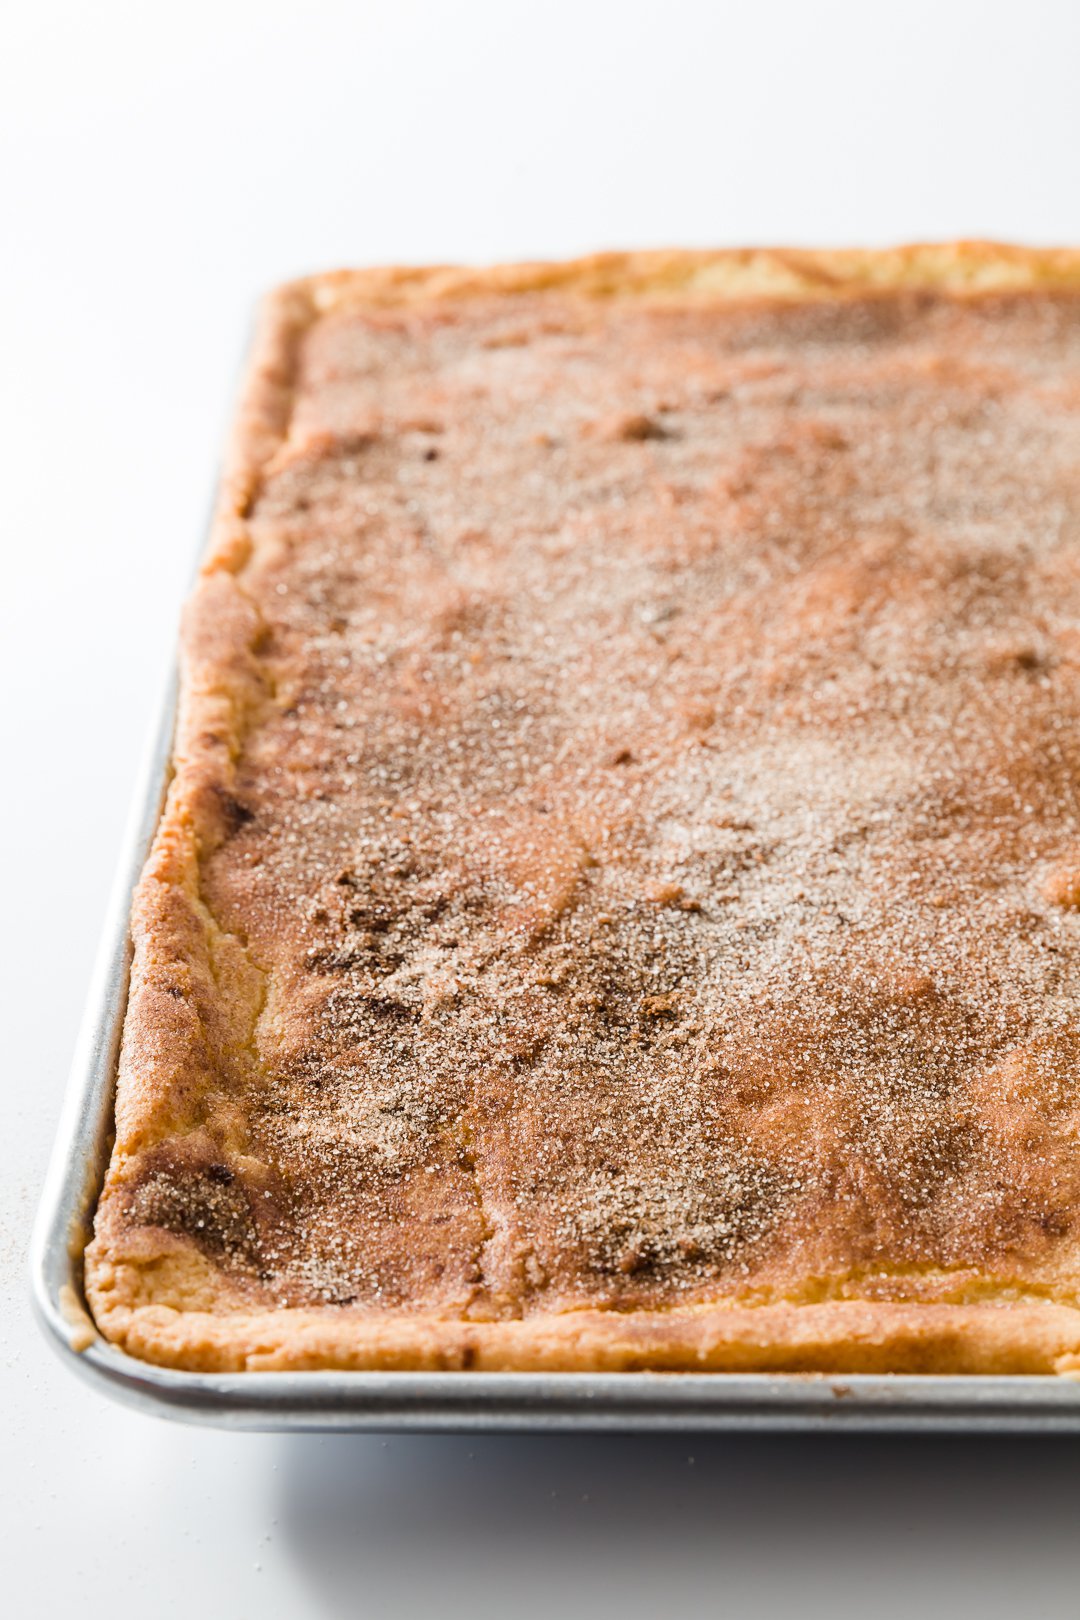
[903,1213]
[960,268]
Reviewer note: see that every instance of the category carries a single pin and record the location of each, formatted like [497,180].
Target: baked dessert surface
[618,900]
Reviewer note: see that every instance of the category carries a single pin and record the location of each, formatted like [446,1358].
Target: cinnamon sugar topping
[654,827]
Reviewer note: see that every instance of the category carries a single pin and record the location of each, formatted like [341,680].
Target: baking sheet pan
[431,1401]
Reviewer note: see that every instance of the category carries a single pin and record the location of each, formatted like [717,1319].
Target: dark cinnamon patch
[235,813]
[626,427]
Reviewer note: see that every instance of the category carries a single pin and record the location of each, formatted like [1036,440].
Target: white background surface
[160,165]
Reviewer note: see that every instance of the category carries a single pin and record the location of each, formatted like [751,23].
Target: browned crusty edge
[206,1015]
